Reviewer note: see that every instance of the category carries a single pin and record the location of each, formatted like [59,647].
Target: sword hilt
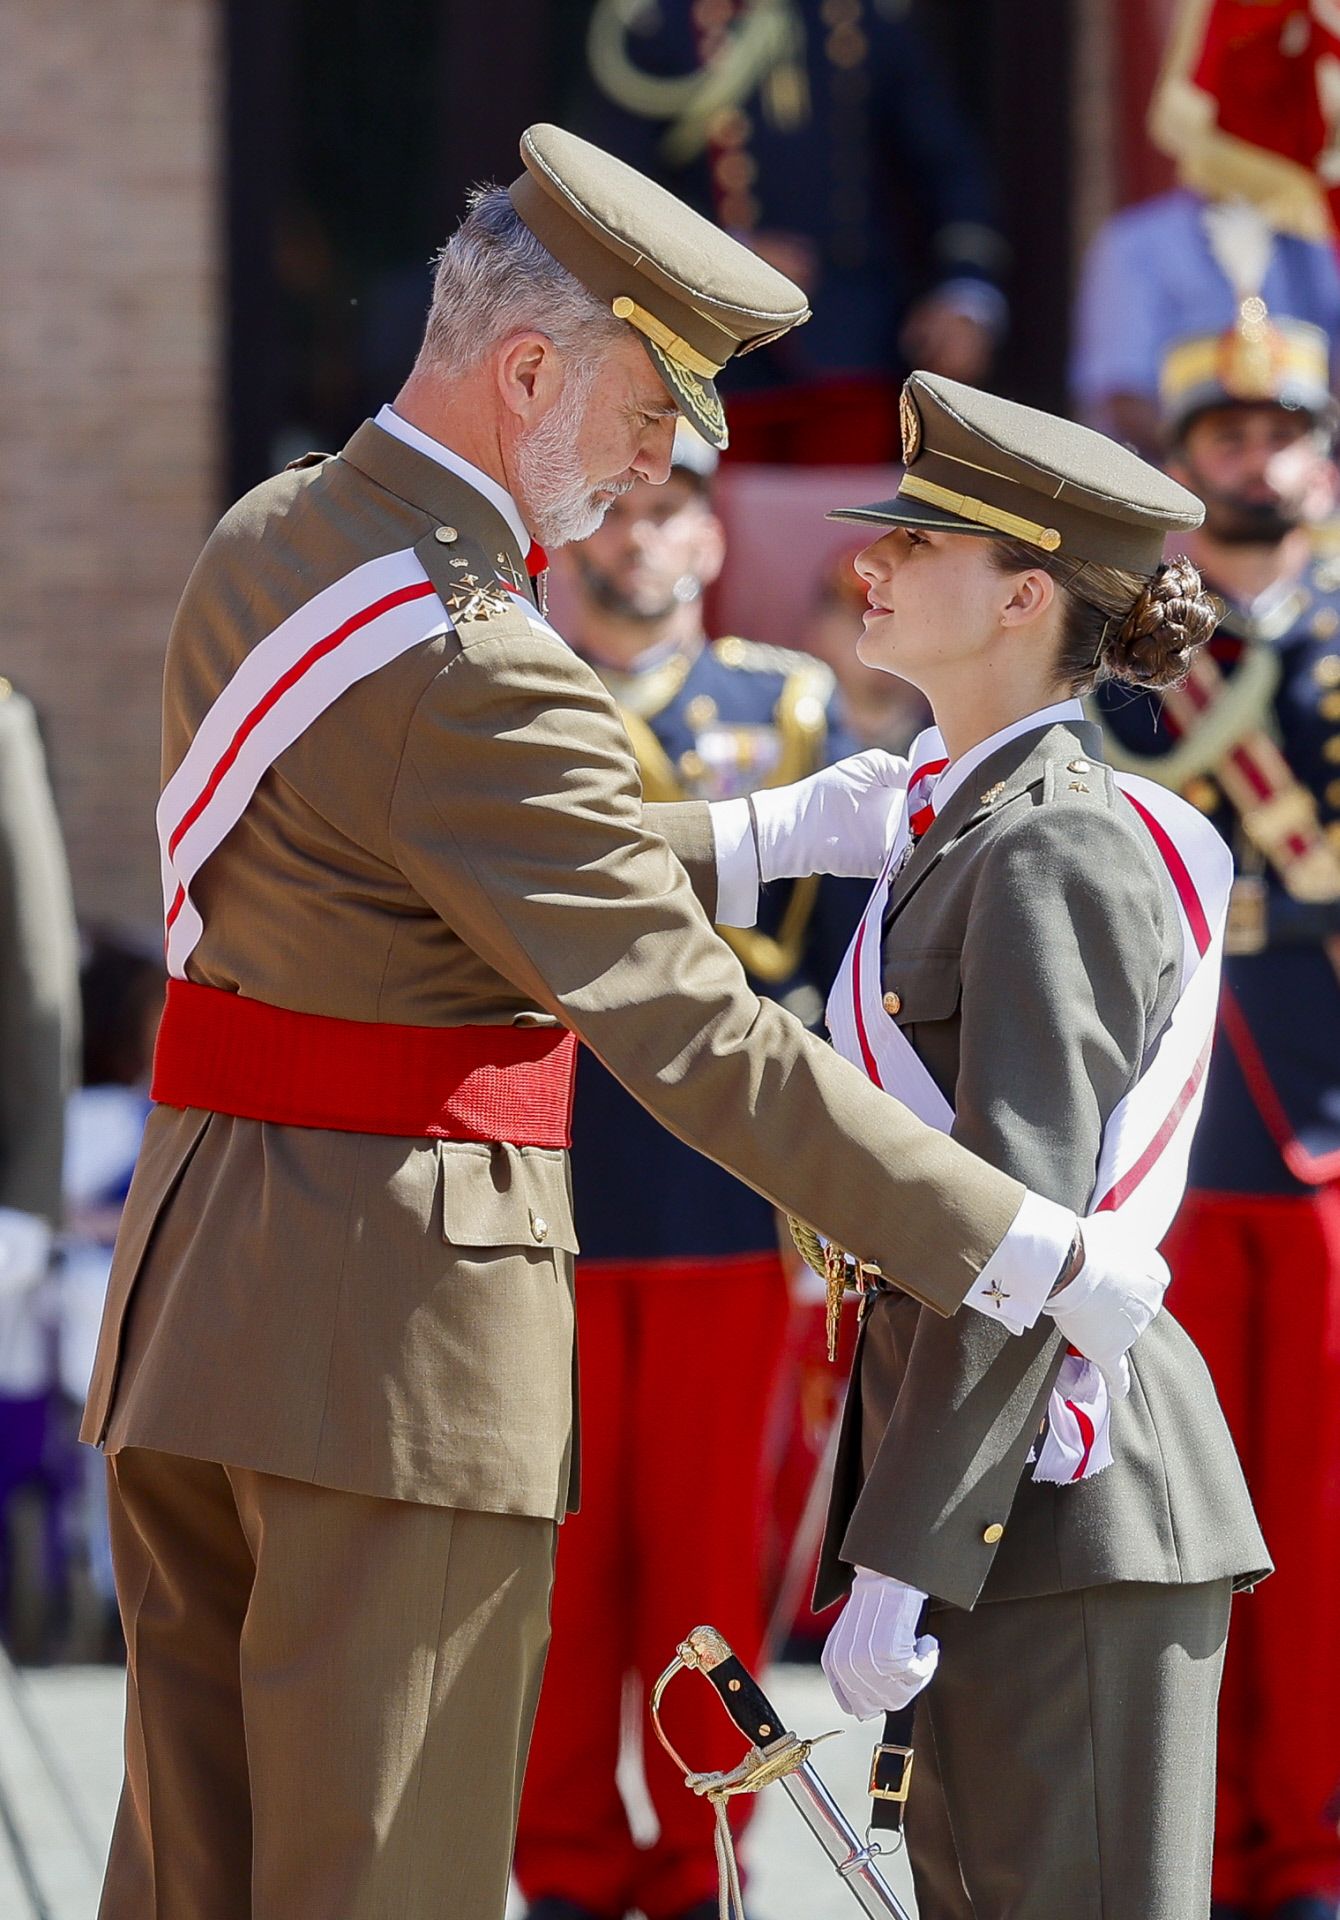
[708,1652]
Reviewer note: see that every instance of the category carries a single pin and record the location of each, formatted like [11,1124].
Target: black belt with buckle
[891,1771]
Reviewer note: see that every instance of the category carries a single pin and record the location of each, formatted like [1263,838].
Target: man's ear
[529,373]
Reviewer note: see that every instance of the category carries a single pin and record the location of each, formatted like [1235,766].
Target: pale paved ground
[60,1736]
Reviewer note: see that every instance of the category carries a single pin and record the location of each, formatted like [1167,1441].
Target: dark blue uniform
[1272,1111]
[855,144]
[742,716]
[1255,1250]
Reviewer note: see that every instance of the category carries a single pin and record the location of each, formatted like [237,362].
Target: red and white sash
[370,617]
[1142,1165]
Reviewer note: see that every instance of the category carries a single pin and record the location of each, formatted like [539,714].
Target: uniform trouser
[329,1697]
[1064,1762]
[679,1362]
[1256,1283]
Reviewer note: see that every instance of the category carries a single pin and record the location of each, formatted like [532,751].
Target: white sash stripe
[251,723]
[1147,1141]
[371,645]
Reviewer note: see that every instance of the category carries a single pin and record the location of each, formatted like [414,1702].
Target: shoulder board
[754,656]
[1079,782]
[467,581]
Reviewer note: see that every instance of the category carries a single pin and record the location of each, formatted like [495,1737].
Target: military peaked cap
[978,464]
[693,294]
[1260,360]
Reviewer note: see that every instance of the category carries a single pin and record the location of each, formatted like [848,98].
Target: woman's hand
[837,821]
[874,1659]
[1103,1311]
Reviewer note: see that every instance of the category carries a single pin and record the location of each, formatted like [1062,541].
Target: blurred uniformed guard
[825,133]
[680,1276]
[39,1025]
[1254,738]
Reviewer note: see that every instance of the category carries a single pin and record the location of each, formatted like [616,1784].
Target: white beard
[560,500]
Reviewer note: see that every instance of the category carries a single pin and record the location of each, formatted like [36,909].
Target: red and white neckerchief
[921,795]
[361,622]
[1146,1144]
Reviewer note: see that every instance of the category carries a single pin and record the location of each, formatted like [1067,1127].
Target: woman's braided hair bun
[1171,618]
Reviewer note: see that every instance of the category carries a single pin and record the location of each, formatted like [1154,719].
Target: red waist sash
[232,1055]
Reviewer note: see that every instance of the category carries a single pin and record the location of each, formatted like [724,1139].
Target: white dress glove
[873,1659]
[836,821]
[25,1248]
[1112,1298]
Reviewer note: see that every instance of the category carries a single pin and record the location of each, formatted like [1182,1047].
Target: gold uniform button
[539,1226]
[1329,706]
[1077,766]
[447,535]
[1333,794]
[1331,749]
[893,1004]
[993,1533]
[1326,672]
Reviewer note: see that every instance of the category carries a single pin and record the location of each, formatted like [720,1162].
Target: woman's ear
[1032,594]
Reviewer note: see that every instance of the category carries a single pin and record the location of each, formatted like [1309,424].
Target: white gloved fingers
[836,821]
[1118,1377]
[1112,1300]
[872,1658]
[845,1682]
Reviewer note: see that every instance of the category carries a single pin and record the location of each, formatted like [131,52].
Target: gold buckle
[900,1792]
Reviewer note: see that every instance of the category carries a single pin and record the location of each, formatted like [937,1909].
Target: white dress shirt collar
[930,746]
[391,422]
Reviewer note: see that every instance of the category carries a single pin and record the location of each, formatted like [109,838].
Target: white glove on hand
[872,1658]
[1112,1298]
[836,821]
[25,1248]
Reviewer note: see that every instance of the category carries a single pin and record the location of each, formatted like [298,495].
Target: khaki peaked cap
[978,464]
[694,295]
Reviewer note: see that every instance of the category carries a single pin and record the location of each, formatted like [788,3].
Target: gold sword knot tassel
[837,1268]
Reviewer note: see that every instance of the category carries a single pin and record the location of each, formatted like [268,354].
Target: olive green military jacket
[458,839]
[1033,940]
[39,984]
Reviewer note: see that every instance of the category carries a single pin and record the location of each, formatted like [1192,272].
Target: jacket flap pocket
[921,987]
[505,1196]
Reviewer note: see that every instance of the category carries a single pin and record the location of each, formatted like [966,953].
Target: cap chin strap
[673,345]
[980,511]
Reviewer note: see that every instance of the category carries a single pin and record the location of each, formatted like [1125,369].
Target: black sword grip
[745,1701]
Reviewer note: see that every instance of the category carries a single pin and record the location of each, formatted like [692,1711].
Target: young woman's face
[935,601]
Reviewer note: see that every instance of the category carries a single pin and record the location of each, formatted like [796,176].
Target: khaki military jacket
[39,983]
[459,838]
[1034,943]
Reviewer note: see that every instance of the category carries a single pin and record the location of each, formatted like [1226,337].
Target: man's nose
[652,459]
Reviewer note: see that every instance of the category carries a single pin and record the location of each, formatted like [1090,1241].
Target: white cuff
[737,863]
[1016,1280]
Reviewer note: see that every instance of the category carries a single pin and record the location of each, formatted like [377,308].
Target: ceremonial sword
[778,1755]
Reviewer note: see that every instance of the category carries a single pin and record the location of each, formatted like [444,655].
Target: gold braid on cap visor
[672,345]
[980,511]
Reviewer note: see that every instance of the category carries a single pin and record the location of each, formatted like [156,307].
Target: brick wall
[110,113]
